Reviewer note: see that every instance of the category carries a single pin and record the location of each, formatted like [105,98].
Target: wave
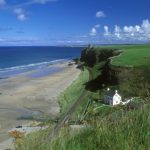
[33,66]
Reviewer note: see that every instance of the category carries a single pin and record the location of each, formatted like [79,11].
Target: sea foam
[12,71]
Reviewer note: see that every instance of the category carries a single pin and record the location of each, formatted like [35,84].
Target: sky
[74,22]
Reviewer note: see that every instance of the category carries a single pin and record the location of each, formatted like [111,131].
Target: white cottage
[112,97]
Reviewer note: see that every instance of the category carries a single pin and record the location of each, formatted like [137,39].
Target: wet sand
[22,97]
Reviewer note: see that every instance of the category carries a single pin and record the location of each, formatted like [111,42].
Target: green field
[130,131]
[132,55]
[67,97]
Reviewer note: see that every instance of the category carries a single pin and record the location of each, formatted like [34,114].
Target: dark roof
[110,93]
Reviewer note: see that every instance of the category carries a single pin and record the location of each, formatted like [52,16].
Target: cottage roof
[110,93]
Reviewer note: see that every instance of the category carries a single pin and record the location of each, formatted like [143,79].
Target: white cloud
[18,10]
[22,17]
[18,40]
[69,42]
[128,29]
[21,14]
[43,1]
[100,14]
[93,32]
[83,36]
[117,31]
[146,26]
[137,28]
[2,40]
[32,2]
[106,30]
[97,26]
[2,3]
[130,33]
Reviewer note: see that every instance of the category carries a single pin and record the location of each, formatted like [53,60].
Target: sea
[17,60]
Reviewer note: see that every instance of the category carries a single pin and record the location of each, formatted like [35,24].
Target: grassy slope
[133,55]
[73,91]
[112,129]
[130,131]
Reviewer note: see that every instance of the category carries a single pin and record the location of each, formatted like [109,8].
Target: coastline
[23,96]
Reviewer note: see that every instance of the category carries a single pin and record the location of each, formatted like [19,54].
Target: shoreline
[22,94]
[52,66]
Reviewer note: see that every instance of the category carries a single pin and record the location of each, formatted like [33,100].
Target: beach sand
[24,97]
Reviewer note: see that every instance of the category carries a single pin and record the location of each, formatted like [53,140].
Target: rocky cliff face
[92,56]
[98,60]
[130,81]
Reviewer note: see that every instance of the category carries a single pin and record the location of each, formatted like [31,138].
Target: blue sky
[77,22]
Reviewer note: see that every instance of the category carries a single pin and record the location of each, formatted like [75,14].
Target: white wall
[116,99]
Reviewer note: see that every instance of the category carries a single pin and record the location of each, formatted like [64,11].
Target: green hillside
[104,127]
[132,55]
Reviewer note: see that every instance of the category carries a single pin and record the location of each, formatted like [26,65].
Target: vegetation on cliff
[130,81]
[106,127]
[67,97]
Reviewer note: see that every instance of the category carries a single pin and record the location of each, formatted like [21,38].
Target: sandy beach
[23,97]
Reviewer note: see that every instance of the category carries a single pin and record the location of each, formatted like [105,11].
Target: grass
[130,131]
[133,55]
[34,141]
[78,115]
[110,128]
[122,129]
[67,97]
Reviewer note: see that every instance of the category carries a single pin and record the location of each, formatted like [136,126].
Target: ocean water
[17,60]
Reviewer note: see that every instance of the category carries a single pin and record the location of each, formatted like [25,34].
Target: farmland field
[132,55]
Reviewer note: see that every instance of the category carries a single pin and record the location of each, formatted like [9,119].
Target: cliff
[131,81]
